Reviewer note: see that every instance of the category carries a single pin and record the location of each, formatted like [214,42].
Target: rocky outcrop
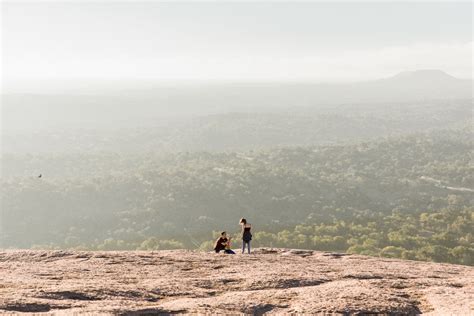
[268,281]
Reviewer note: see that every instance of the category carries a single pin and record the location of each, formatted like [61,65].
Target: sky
[280,41]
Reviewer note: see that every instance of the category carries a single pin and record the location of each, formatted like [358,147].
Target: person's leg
[243,246]
[248,245]
[229,252]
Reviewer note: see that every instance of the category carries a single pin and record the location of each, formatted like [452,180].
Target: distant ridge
[139,103]
[409,86]
[423,75]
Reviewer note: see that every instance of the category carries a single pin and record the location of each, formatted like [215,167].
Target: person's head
[243,221]
[223,234]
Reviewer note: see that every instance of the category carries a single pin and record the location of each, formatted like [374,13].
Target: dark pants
[227,251]
[243,245]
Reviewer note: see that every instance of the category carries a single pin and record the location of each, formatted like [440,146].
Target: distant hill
[426,75]
[409,86]
[417,85]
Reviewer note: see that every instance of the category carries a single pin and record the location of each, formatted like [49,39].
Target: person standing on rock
[246,234]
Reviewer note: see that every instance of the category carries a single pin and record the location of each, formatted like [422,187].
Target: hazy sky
[237,41]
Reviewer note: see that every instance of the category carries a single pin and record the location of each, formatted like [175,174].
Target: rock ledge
[269,281]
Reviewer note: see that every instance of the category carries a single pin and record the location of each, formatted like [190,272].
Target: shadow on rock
[31,307]
[150,311]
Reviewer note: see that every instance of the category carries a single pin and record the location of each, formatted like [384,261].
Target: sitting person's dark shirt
[220,244]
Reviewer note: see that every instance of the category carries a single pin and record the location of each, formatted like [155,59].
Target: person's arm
[224,243]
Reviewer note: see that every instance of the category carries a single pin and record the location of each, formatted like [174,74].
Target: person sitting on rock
[223,243]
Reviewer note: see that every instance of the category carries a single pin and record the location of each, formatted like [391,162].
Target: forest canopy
[403,196]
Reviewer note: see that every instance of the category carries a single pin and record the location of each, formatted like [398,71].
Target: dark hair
[243,221]
[222,234]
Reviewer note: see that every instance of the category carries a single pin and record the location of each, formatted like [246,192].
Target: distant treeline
[443,236]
